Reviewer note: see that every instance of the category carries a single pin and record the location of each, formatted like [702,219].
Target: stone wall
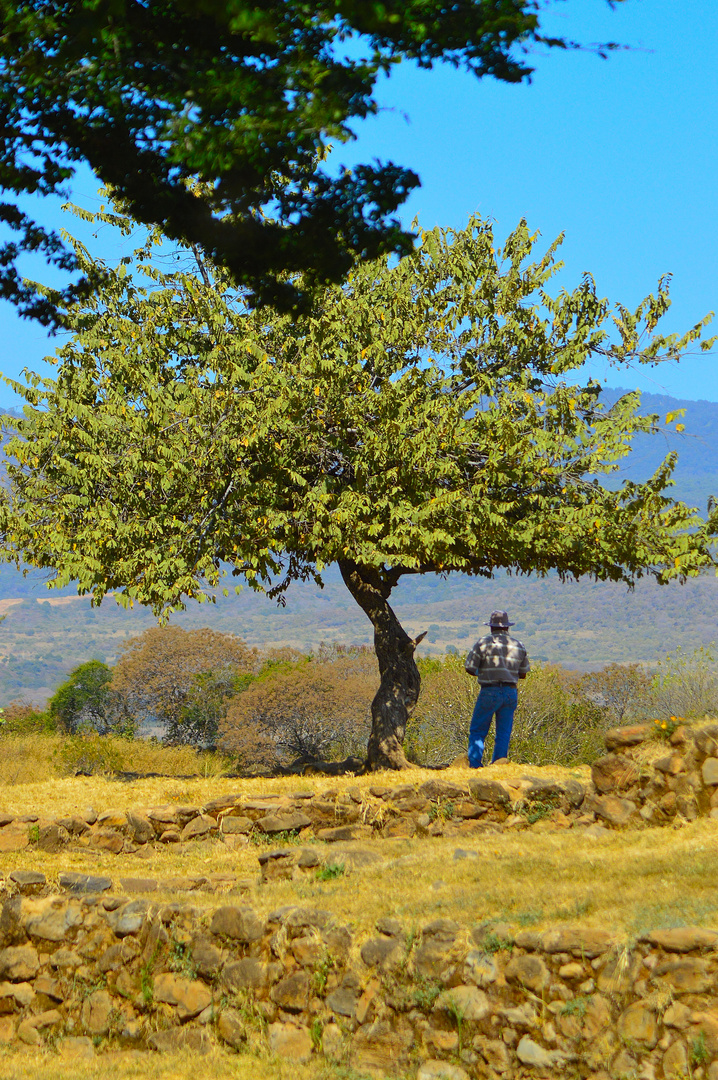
[681,783]
[86,974]
[627,789]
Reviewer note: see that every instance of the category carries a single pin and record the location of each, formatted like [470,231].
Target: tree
[418,421]
[205,117]
[180,679]
[86,702]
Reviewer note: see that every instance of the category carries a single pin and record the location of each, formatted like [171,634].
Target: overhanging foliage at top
[207,116]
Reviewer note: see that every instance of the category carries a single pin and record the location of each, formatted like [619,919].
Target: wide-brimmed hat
[499,618]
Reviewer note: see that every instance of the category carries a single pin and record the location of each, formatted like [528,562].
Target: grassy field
[141,1065]
[629,881]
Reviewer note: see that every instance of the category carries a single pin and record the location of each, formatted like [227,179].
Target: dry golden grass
[58,795]
[629,882]
[625,880]
[32,758]
[133,1065]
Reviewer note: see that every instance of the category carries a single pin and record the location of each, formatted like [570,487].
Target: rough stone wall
[86,974]
[682,783]
[626,790]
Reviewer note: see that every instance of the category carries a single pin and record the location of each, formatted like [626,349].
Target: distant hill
[585,624]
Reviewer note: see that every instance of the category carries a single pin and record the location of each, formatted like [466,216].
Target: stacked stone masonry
[86,966]
[624,791]
[92,973]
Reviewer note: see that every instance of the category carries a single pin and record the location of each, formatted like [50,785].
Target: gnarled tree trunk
[400,680]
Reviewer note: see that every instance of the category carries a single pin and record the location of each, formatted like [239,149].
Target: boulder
[278,823]
[18,963]
[292,1041]
[50,917]
[675,1061]
[198,827]
[239,923]
[96,1010]
[128,918]
[637,1024]
[709,772]
[492,792]
[441,1070]
[189,996]
[535,1056]
[292,993]
[480,969]
[689,975]
[672,765]
[581,941]
[233,826]
[231,1028]
[612,809]
[195,1040]
[52,838]
[614,773]
[249,973]
[682,939]
[84,883]
[465,1003]
[385,953]
[340,833]
[140,826]
[381,1050]
[107,840]
[529,971]
[28,881]
[623,737]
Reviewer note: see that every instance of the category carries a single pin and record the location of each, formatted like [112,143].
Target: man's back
[498,658]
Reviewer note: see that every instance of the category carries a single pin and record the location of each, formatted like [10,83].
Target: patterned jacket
[498,658]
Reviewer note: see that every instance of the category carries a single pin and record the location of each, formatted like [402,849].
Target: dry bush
[103,755]
[180,679]
[314,708]
[555,722]
[439,729]
[686,684]
[623,690]
[22,718]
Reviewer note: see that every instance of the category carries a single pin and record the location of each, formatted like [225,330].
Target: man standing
[498,661]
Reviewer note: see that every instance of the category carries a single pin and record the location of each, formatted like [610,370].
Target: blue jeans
[492,700]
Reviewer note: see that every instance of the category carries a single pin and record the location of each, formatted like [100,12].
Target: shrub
[686,684]
[303,709]
[555,722]
[623,690]
[22,718]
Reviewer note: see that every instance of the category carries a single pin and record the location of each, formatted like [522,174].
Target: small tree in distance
[418,421]
[86,702]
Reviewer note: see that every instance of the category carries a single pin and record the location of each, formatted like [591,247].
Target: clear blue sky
[620,154]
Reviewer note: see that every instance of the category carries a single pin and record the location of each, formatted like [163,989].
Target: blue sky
[620,154]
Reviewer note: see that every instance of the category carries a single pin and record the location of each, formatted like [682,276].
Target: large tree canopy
[419,420]
[207,117]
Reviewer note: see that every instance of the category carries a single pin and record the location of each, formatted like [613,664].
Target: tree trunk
[400,680]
